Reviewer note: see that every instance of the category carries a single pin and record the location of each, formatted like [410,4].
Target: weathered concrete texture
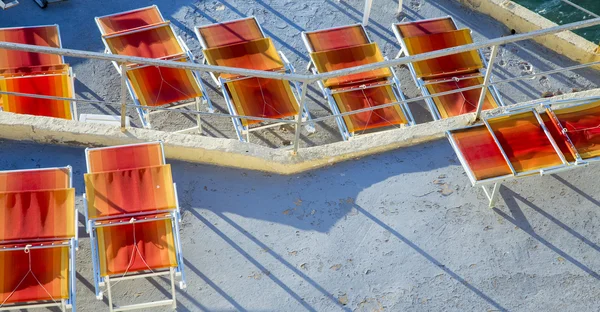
[400,231]
[284,21]
[523,20]
[232,153]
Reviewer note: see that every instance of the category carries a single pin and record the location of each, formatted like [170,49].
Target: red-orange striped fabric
[53,85]
[33,180]
[49,266]
[228,33]
[481,153]
[561,138]
[37,215]
[125,157]
[362,98]
[259,54]
[427,27]
[129,191]
[259,97]
[464,102]
[337,38]
[117,247]
[46,36]
[156,86]
[34,70]
[582,124]
[463,62]
[331,60]
[128,20]
[153,41]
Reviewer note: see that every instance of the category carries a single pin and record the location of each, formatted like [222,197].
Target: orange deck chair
[36,73]
[144,33]
[242,44]
[132,215]
[555,137]
[350,46]
[445,73]
[38,239]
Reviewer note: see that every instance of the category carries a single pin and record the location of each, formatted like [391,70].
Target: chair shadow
[517,218]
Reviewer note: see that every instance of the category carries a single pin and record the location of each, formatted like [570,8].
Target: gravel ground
[283,20]
[400,231]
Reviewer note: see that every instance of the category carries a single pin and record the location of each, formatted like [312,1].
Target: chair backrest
[154,41]
[228,33]
[47,36]
[425,27]
[35,179]
[259,54]
[124,157]
[464,62]
[129,20]
[337,38]
[114,193]
[59,84]
[331,60]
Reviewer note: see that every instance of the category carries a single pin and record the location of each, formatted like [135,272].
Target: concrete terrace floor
[284,20]
[401,231]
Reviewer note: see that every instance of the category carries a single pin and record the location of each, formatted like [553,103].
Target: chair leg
[172,274]
[198,120]
[109,293]
[367,12]
[494,194]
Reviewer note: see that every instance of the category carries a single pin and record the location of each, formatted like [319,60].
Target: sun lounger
[350,46]
[37,74]
[522,143]
[132,215]
[242,44]
[144,33]
[447,73]
[38,239]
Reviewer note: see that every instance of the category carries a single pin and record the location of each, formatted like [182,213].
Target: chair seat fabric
[46,36]
[463,102]
[337,38]
[129,20]
[582,124]
[230,33]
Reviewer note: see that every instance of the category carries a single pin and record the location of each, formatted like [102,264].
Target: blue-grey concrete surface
[400,231]
[284,20]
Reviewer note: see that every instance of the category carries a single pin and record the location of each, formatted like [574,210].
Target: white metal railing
[307,79]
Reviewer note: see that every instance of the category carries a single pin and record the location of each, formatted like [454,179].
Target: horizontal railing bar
[549,72]
[59,98]
[581,8]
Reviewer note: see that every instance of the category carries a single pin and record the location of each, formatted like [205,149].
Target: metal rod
[367,12]
[486,82]
[299,118]
[123,96]
[581,8]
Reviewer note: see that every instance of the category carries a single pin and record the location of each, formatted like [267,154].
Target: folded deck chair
[132,215]
[350,46]
[447,73]
[38,239]
[37,74]
[144,33]
[242,44]
[522,143]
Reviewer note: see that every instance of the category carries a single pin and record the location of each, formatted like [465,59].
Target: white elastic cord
[135,248]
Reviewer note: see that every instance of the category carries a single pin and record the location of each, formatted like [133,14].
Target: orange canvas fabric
[582,124]
[129,248]
[128,20]
[337,38]
[561,139]
[481,153]
[463,102]
[59,85]
[524,142]
[46,36]
[428,27]
[260,97]
[125,157]
[363,98]
[463,62]
[229,33]
[259,54]
[35,215]
[155,41]
[156,86]
[33,180]
[49,266]
[332,60]
[34,70]
[112,193]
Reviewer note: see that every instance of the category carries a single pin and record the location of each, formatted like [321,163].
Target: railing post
[123,95]
[367,12]
[399,6]
[486,82]
[299,118]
